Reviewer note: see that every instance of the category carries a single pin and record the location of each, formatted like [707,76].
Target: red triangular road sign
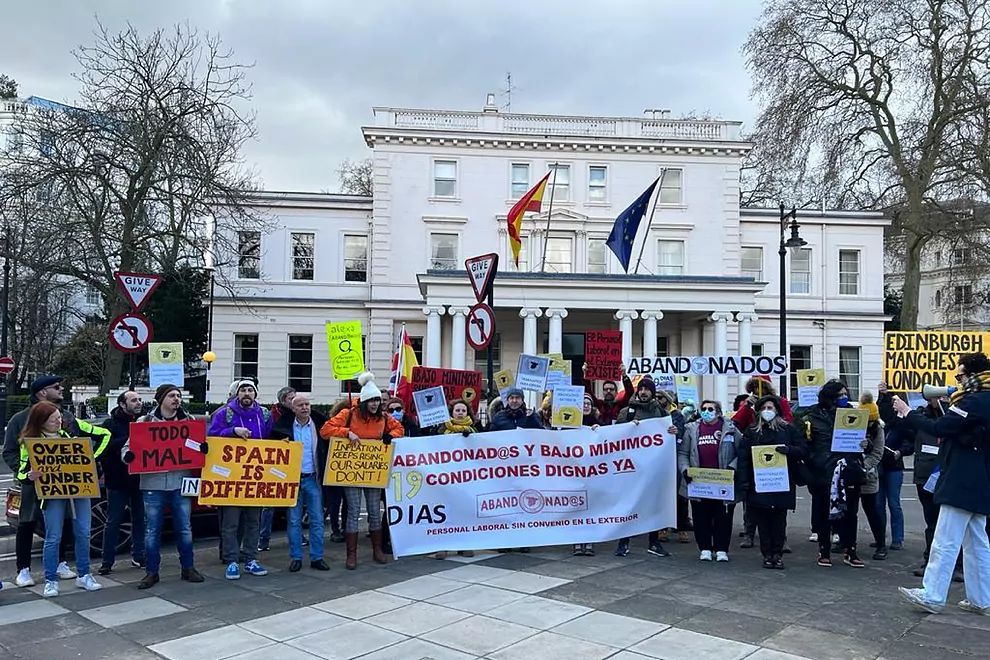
[137,287]
[481,271]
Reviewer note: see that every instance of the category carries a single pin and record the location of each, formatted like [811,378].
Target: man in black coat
[123,489]
[962,490]
[514,415]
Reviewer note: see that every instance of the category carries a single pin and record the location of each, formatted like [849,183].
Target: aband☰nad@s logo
[531,501]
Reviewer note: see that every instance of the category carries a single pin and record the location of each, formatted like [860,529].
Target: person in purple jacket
[242,417]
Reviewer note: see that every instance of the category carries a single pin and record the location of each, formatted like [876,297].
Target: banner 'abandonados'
[531,488]
[715,365]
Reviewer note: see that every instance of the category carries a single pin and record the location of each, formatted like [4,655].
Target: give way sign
[137,287]
[481,271]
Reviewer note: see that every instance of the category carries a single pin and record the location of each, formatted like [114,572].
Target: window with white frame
[663,347]
[559,184]
[245,356]
[964,294]
[671,186]
[303,256]
[962,256]
[301,363]
[849,369]
[801,270]
[560,255]
[938,297]
[597,183]
[249,255]
[800,358]
[751,263]
[670,257]
[597,255]
[520,179]
[848,272]
[445,178]
[93,296]
[443,251]
[355,258]
[417,346]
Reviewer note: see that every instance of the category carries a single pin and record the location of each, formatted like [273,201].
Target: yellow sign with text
[363,466]
[912,360]
[346,351]
[66,467]
[242,472]
[504,379]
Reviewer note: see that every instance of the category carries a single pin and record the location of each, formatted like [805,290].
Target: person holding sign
[758,387]
[368,422]
[514,415]
[768,508]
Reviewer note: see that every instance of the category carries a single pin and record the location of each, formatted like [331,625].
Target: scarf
[455,427]
[837,495]
[975,383]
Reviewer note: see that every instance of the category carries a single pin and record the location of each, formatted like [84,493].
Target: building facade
[704,279]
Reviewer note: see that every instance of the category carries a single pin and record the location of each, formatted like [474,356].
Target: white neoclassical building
[443,183]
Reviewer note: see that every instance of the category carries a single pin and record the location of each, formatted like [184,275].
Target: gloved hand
[783,449]
[687,479]
[465,433]
[128,456]
[387,439]
[203,447]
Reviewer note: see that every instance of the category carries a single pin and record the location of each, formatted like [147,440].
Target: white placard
[531,374]
[431,407]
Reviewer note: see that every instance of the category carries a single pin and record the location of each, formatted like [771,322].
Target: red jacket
[608,412]
[745,416]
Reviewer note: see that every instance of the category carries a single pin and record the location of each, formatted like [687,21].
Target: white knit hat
[368,388]
[238,384]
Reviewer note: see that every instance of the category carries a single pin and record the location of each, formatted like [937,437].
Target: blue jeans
[889,495]
[117,502]
[54,512]
[265,532]
[154,512]
[310,497]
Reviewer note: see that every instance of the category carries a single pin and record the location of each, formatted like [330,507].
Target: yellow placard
[165,353]
[242,472]
[346,352]
[365,466]
[712,476]
[66,466]
[767,457]
[851,419]
[504,379]
[567,417]
[912,360]
[810,377]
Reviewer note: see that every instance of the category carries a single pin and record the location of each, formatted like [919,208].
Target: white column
[433,337]
[650,330]
[458,339]
[625,318]
[721,321]
[745,340]
[529,316]
[556,317]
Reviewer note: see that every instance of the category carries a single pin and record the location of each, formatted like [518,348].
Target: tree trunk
[912,282]
[115,358]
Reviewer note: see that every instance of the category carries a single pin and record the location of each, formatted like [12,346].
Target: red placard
[164,446]
[456,383]
[603,354]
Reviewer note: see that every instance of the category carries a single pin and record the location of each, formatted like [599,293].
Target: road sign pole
[491,363]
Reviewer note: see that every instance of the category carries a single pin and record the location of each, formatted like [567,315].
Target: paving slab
[609,629]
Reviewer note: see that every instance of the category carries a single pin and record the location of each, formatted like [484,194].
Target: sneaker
[721,556]
[266,546]
[138,563]
[896,545]
[851,559]
[51,589]
[824,561]
[233,571]
[578,550]
[24,578]
[747,542]
[105,569]
[254,568]
[622,549]
[813,538]
[880,554]
[917,598]
[88,583]
[64,572]
[967,606]
[768,562]
[589,550]
[657,550]
[706,555]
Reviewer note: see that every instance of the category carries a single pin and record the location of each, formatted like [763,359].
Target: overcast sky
[320,65]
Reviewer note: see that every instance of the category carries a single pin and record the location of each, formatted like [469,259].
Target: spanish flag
[403,361]
[531,201]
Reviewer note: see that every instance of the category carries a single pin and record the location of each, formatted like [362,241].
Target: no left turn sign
[480,326]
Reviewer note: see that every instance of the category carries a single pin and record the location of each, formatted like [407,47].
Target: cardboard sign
[849,431]
[164,446]
[456,383]
[531,373]
[559,372]
[365,466]
[809,381]
[568,403]
[504,380]
[686,388]
[712,484]
[346,352]
[166,364]
[66,465]
[431,407]
[242,472]
[770,470]
[603,355]
[912,360]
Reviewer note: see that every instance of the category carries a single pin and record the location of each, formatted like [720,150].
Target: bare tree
[867,99]
[8,87]
[356,178]
[146,172]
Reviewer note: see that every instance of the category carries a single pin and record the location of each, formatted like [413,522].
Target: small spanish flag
[531,201]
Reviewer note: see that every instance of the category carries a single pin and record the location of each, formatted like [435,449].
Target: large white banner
[510,489]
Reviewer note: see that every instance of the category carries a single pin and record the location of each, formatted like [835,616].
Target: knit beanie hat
[590,400]
[648,383]
[238,384]
[369,390]
[163,391]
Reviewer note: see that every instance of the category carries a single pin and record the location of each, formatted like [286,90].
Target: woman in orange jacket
[365,422]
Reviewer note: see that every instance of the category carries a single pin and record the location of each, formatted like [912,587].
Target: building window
[800,359]
[938,297]
[849,369]
[751,263]
[444,178]
[355,258]
[671,189]
[303,257]
[301,363]
[848,272]
[560,255]
[964,294]
[597,183]
[520,179]
[443,251]
[245,356]
[801,270]
[597,255]
[93,296]
[670,257]
[756,350]
[962,256]
[559,186]
[249,255]
[663,347]
[938,258]
[417,346]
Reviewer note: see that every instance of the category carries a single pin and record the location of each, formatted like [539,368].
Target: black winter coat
[115,474]
[821,459]
[797,449]
[282,430]
[508,419]
[915,439]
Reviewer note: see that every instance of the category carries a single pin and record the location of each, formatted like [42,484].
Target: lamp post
[793,241]
[209,356]
[3,330]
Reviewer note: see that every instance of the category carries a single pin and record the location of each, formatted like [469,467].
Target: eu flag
[620,241]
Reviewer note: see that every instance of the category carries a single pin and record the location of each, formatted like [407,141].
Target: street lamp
[792,241]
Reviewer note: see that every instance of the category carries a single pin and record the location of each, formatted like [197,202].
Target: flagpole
[546,234]
[401,352]
[650,222]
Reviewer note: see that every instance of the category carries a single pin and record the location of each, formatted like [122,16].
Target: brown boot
[376,547]
[350,540]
